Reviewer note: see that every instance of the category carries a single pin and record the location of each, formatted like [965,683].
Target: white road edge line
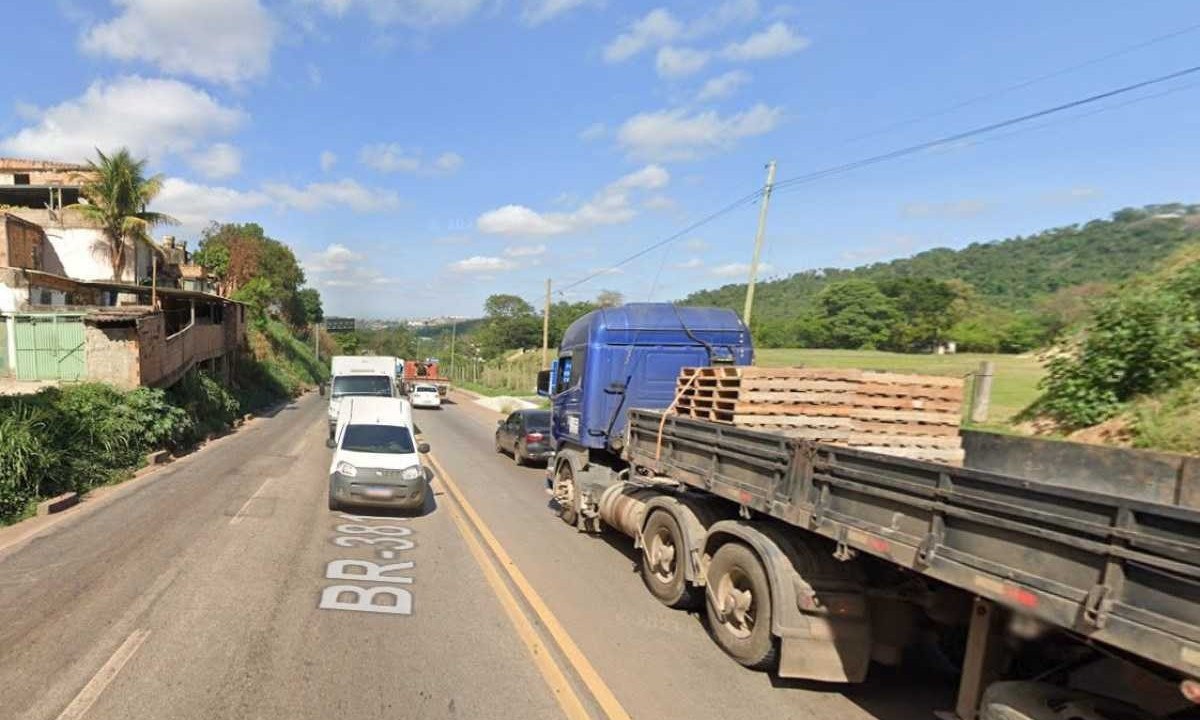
[241,513]
[104,676]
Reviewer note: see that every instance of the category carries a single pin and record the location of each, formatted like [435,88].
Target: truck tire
[738,605]
[568,506]
[663,554]
[1042,701]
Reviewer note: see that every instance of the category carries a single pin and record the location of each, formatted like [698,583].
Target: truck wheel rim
[662,555]
[735,604]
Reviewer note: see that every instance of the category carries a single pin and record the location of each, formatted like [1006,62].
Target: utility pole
[758,241]
[453,337]
[317,340]
[546,328]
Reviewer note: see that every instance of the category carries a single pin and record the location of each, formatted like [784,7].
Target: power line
[667,240]
[1024,84]
[945,140]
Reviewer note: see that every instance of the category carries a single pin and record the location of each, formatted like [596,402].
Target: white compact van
[376,457]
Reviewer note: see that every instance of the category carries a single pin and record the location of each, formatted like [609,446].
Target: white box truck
[358,376]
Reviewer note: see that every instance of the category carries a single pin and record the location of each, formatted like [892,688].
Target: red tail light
[534,437]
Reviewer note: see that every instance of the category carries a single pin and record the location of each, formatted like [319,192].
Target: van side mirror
[423,448]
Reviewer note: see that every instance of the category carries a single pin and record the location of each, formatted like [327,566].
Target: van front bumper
[368,490]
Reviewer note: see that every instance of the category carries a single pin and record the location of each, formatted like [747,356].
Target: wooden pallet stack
[913,416]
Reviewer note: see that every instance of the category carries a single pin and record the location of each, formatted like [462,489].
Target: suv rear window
[537,421]
[426,388]
[386,439]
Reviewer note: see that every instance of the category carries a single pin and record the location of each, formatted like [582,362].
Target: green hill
[1029,278]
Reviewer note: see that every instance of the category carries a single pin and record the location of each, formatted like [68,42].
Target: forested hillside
[1007,295]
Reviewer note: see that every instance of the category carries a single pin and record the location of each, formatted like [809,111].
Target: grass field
[1014,387]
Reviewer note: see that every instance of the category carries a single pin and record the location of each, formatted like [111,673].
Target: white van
[376,458]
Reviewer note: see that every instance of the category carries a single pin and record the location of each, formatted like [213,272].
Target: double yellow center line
[469,524]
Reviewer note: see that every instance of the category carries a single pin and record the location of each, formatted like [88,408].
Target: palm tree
[118,192]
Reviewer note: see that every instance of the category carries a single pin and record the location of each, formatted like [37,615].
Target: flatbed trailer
[1117,574]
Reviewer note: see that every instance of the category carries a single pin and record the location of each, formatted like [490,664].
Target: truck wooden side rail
[1106,568]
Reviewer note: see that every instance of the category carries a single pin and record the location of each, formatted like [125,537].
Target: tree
[118,193]
[237,254]
[310,300]
[510,324]
[855,314]
[927,307]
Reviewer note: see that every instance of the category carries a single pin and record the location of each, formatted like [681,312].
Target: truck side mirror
[330,443]
[543,383]
[321,389]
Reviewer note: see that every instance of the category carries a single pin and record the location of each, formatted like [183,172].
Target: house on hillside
[43,193]
[66,316]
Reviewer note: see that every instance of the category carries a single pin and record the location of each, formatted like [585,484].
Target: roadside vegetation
[77,437]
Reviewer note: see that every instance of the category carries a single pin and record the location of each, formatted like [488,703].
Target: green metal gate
[49,347]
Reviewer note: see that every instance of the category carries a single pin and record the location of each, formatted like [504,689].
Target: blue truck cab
[617,358]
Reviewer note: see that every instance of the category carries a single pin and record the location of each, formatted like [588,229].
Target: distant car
[376,461]
[425,396]
[525,434]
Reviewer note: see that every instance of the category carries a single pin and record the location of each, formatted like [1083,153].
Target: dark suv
[525,434]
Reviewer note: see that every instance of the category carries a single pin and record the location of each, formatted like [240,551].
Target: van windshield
[380,385]
[386,439]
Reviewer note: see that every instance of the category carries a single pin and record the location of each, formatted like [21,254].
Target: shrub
[205,405]
[24,457]
[1142,342]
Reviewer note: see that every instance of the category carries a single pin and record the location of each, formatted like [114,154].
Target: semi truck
[816,561]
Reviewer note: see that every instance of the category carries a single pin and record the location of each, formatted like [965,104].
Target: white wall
[11,298]
[84,255]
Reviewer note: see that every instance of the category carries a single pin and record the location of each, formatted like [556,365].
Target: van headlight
[410,473]
[345,469]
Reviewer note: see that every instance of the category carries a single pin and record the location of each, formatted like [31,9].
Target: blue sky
[422,154]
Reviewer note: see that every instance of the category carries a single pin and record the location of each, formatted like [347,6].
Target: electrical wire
[1023,84]
[956,137]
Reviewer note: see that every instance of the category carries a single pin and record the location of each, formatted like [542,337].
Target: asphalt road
[204,591]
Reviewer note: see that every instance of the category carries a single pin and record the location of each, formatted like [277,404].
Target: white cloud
[659,27]
[777,40]
[524,250]
[226,41]
[536,12]
[673,62]
[676,135]
[328,160]
[689,264]
[952,209]
[391,157]
[722,86]
[448,162]
[152,117]
[656,27]
[219,160]
[608,207]
[335,257]
[739,270]
[195,206]
[696,245]
[341,193]
[595,131]
[411,13]
[1067,196]
[482,264]
[457,239]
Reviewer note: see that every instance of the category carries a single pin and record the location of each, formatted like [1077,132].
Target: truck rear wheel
[738,605]
[663,555]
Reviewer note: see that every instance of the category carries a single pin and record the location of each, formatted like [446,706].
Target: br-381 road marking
[385,598]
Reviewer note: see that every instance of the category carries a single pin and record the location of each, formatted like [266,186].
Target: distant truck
[814,561]
[424,372]
[358,376]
